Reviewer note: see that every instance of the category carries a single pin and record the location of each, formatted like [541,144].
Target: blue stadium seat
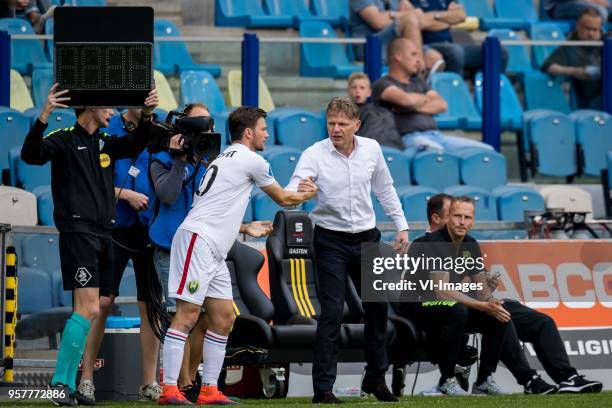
[49,43]
[63,298]
[516,14]
[14,127]
[513,201]
[414,201]
[482,168]
[553,142]
[594,139]
[35,291]
[482,10]
[273,116]
[247,13]
[527,117]
[519,56]
[172,57]
[42,80]
[300,130]
[545,31]
[485,202]
[264,208]
[221,126]
[436,170]
[272,149]
[283,164]
[59,119]
[14,156]
[296,10]
[544,92]
[333,12]
[31,176]
[461,111]
[26,55]
[398,164]
[40,251]
[44,204]
[511,109]
[323,60]
[200,86]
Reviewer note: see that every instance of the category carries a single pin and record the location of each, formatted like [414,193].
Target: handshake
[307,185]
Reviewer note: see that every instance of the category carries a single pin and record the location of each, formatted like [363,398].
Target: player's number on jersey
[208,180]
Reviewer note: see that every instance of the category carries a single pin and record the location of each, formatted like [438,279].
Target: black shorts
[86,261]
[132,243]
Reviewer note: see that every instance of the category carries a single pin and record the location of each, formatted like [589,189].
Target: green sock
[71,350]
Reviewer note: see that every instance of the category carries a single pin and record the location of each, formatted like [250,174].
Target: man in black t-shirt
[526,325]
[445,313]
[581,64]
[413,102]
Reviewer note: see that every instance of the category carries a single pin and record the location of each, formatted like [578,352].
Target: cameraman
[130,241]
[82,169]
[176,176]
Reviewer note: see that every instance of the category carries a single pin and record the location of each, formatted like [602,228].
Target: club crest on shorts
[82,276]
[193,286]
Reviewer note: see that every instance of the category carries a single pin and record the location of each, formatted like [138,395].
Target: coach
[347,168]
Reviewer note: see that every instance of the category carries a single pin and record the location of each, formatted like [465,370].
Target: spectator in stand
[376,122]
[573,9]
[581,64]
[34,11]
[390,19]
[436,18]
[413,102]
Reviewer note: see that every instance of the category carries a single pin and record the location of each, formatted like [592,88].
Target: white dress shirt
[344,201]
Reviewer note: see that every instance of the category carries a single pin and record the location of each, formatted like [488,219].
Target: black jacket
[82,167]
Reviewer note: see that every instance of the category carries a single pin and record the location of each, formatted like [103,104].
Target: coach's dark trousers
[338,257]
[540,330]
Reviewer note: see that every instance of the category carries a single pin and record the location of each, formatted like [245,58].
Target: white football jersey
[221,200]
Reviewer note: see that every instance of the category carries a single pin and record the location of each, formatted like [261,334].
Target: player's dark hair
[245,117]
[435,204]
[78,111]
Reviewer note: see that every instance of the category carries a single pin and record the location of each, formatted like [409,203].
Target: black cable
[157,313]
[416,377]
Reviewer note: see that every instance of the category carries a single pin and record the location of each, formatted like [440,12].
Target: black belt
[347,236]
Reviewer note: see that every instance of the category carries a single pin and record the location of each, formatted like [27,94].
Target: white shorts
[195,272]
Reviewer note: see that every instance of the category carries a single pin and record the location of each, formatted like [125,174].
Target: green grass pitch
[603,400]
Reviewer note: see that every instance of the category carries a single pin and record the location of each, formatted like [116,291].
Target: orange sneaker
[171,395]
[210,395]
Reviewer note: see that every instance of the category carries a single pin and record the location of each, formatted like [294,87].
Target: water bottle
[348,392]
